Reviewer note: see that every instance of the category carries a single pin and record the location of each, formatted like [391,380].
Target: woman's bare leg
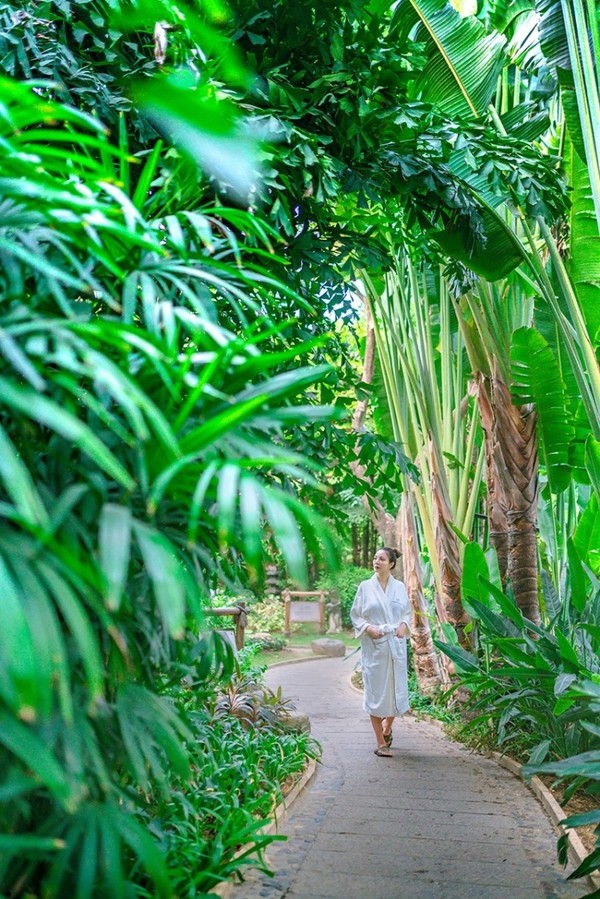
[376,724]
[387,724]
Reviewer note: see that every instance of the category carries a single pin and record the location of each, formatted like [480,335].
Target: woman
[381,616]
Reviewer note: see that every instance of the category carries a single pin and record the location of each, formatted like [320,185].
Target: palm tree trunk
[496,503]
[386,524]
[427,667]
[448,605]
[515,436]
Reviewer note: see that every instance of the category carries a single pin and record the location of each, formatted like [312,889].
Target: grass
[297,645]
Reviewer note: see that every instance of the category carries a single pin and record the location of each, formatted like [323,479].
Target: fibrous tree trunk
[496,502]
[515,435]
[427,667]
[448,603]
[399,532]
[386,524]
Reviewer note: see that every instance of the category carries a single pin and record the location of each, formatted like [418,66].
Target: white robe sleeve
[356,613]
[406,608]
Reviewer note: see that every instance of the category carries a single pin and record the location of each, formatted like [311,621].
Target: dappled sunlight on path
[434,822]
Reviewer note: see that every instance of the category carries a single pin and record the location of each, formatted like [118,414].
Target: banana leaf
[536,379]
[456,79]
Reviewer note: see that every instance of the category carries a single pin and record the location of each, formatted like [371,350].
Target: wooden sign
[305,611]
[300,611]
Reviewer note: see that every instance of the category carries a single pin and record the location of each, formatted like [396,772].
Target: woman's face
[381,563]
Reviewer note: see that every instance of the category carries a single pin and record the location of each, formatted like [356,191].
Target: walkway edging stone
[576,849]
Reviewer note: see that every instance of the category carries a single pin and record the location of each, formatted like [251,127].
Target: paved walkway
[433,822]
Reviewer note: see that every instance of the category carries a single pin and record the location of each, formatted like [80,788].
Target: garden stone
[327,647]
[298,723]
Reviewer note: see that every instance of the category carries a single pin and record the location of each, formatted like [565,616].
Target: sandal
[383,752]
[389,739]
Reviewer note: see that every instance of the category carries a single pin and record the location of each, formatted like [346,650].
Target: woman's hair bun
[393,554]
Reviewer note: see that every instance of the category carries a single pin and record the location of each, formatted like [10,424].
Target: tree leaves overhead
[454,78]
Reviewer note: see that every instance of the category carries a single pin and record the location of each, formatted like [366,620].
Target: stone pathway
[433,822]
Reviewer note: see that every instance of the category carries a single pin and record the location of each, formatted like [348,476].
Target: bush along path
[433,822]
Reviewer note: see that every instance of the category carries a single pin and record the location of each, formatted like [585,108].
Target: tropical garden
[282,281]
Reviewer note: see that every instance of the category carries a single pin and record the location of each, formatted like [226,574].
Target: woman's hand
[374,632]
[401,631]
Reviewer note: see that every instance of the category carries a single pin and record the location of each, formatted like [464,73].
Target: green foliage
[520,670]
[344,584]
[453,78]
[583,697]
[242,754]
[142,460]
[434,705]
[267,616]
[536,378]
[538,686]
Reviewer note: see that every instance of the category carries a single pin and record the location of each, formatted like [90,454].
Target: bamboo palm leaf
[80,626]
[147,852]
[19,484]
[455,78]
[48,636]
[114,540]
[536,379]
[20,674]
[24,844]
[36,757]
[48,413]
[154,735]
[286,533]
[163,566]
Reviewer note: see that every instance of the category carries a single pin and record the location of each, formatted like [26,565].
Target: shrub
[266,615]
[344,584]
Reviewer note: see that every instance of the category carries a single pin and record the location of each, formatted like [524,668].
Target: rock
[263,637]
[327,647]
[298,723]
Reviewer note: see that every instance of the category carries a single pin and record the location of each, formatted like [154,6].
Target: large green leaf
[457,78]
[500,251]
[584,260]
[495,259]
[592,462]
[464,661]
[536,379]
[569,39]
[587,534]
[474,568]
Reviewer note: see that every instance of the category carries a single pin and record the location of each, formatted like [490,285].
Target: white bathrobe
[384,664]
